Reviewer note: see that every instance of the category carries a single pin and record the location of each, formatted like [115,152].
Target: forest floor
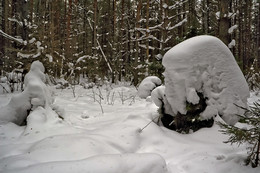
[100,125]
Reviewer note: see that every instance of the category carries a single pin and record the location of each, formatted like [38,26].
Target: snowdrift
[87,140]
[204,64]
[35,94]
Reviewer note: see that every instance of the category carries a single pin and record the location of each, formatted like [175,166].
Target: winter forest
[129,86]
[123,39]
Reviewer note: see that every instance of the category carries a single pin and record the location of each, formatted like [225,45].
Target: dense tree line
[120,39]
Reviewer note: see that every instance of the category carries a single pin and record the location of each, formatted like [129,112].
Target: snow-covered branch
[21,41]
[100,48]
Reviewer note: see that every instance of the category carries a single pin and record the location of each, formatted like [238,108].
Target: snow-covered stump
[35,94]
[203,80]
[147,85]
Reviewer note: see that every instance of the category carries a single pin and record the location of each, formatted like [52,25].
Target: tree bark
[2,39]
[224,21]
[147,29]
[258,36]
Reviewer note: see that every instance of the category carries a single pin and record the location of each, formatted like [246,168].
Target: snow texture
[35,94]
[147,85]
[49,57]
[21,41]
[159,98]
[232,43]
[179,24]
[232,28]
[89,141]
[204,64]
[82,58]
[123,163]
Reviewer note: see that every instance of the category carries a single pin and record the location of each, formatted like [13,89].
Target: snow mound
[204,64]
[35,94]
[147,85]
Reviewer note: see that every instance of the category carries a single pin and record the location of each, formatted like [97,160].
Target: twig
[4,88]
[148,124]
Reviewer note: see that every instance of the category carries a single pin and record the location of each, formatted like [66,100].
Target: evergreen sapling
[248,135]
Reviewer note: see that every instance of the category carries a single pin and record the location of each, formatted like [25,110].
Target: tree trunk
[68,52]
[257,153]
[258,36]
[147,29]
[165,23]
[2,39]
[94,41]
[224,21]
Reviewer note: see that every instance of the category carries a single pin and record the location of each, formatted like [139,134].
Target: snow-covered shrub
[203,68]
[3,79]
[253,79]
[12,81]
[181,123]
[159,98]
[147,85]
[61,83]
[35,94]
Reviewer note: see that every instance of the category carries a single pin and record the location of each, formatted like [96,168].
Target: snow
[21,41]
[232,28]
[49,57]
[23,55]
[204,64]
[35,94]
[89,141]
[32,40]
[159,98]
[39,49]
[179,24]
[82,58]
[147,85]
[114,163]
[232,44]
[15,20]
[218,14]
[165,5]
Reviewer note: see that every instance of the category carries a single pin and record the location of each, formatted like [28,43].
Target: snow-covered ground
[116,141]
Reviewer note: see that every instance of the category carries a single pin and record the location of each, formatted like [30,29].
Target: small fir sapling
[247,135]
[202,80]
[183,123]
[191,121]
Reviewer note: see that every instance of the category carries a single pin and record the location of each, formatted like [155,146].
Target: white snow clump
[35,94]
[204,64]
[147,85]
[159,98]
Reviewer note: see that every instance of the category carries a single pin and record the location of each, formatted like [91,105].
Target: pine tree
[249,135]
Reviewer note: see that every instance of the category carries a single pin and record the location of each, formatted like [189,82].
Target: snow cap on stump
[204,64]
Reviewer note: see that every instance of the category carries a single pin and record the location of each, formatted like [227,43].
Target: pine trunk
[2,39]
[258,36]
[224,21]
[147,29]
[94,41]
